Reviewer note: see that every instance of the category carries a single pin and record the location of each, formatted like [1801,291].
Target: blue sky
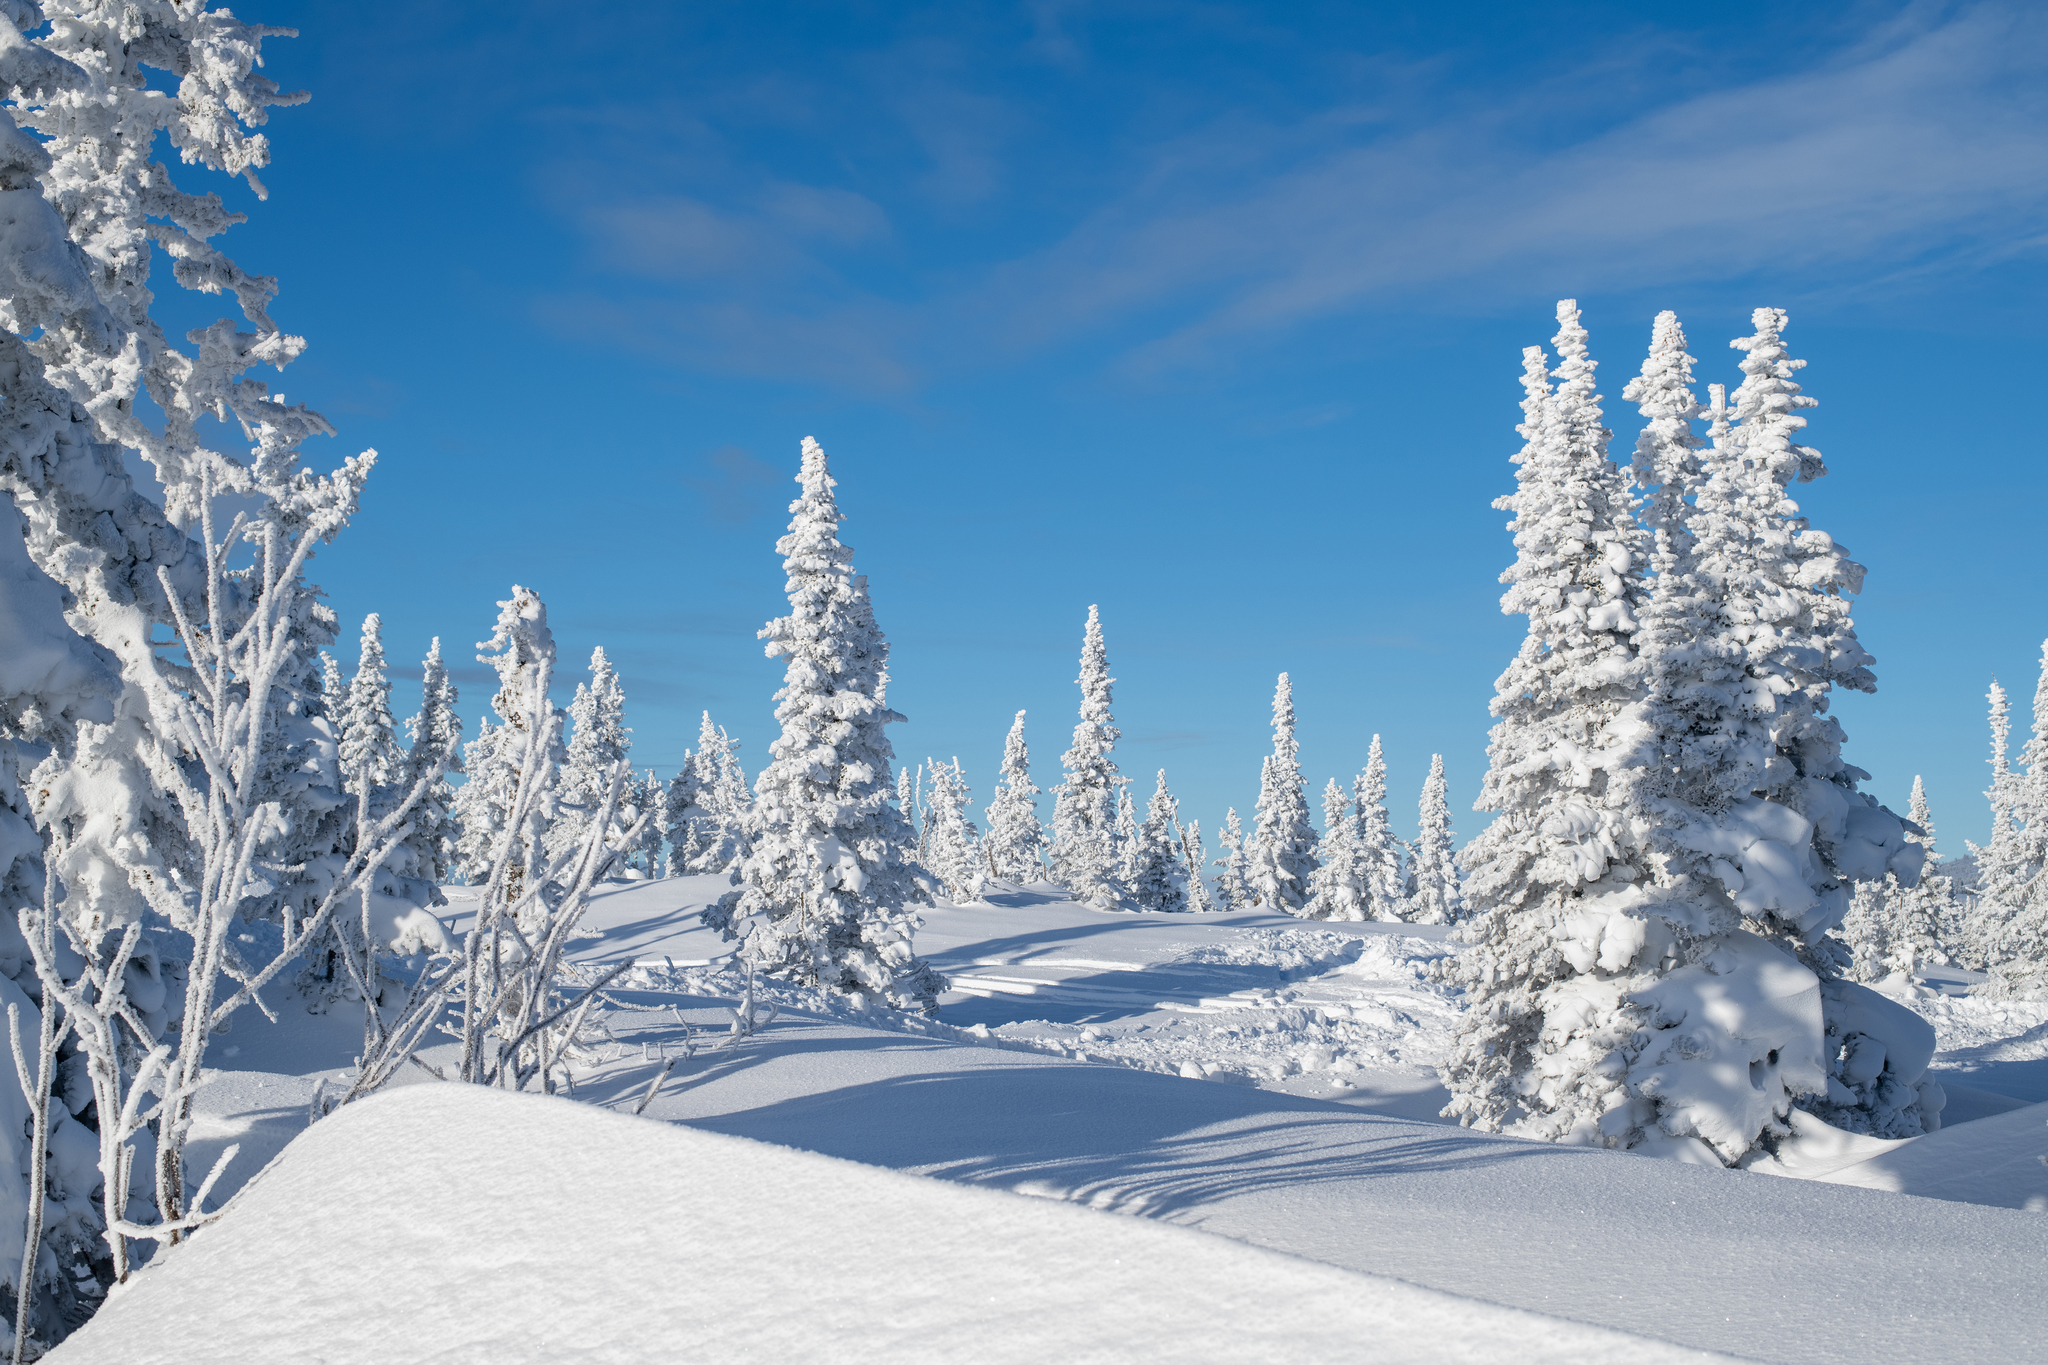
[1208,313]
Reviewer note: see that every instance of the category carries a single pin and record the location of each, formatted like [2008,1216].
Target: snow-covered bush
[826,885]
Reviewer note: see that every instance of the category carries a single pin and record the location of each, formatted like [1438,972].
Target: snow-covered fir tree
[378,774]
[953,844]
[1126,838]
[1679,826]
[1233,886]
[521,651]
[1980,923]
[1015,845]
[372,763]
[1200,902]
[1379,850]
[1281,858]
[2013,893]
[827,879]
[708,806]
[1891,929]
[598,738]
[1433,883]
[1084,853]
[1339,886]
[652,800]
[1159,879]
[435,734]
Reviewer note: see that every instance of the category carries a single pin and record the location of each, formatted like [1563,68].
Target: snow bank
[2001,1160]
[411,1228]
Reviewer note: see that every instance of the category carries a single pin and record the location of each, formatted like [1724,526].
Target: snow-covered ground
[1063,1067]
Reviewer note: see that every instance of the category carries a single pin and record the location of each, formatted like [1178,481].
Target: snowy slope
[1057,1069]
[411,1228]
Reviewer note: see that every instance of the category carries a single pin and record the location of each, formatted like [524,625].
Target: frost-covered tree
[1159,879]
[1126,838]
[826,883]
[1339,885]
[501,753]
[2013,890]
[1084,851]
[378,774]
[1282,856]
[1200,902]
[1433,883]
[598,739]
[1892,929]
[954,845]
[435,733]
[649,799]
[1379,850]
[1676,828]
[1015,846]
[1233,886]
[708,806]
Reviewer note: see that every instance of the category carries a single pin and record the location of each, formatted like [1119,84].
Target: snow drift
[410,1228]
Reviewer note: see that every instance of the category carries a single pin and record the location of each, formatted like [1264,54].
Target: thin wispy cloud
[1912,150]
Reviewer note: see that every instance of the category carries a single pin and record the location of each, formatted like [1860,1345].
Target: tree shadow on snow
[1122,1140]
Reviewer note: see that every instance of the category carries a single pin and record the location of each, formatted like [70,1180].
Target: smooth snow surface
[411,1228]
[1062,1066]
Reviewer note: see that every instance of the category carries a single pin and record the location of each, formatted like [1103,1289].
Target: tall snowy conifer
[1282,856]
[2013,893]
[1379,851]
[522,650]
[1200,901]
[436,735]
[1015,845]
[826,882]
[1433,893]
[1084,850]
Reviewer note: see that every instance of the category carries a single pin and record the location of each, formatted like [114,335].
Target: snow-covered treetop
[1667,453]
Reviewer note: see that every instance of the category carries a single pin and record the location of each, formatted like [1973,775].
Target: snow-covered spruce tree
[682,810]
[1084,852]
[1433,894]
[1015,846]
[500,753]
[650,799]
[1892,929]
[1233,887]
[825,885]
[435,733]
[1980,924]
[1159,878]
[2016,889]
[1656,971]
[598,739]
[1126,838]
[396,910]
[953,844]
[727,803]
[1282,855]
[1200,902]
[1379,851]
[1339,886]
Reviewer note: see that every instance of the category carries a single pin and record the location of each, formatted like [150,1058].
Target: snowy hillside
[388,1229]
[1060,1068]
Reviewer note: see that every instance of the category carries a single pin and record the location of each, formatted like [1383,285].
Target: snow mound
[412,1228]
[2001,1160]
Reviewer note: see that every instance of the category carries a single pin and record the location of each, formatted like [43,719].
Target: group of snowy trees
[1103,853]
[1654,961]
